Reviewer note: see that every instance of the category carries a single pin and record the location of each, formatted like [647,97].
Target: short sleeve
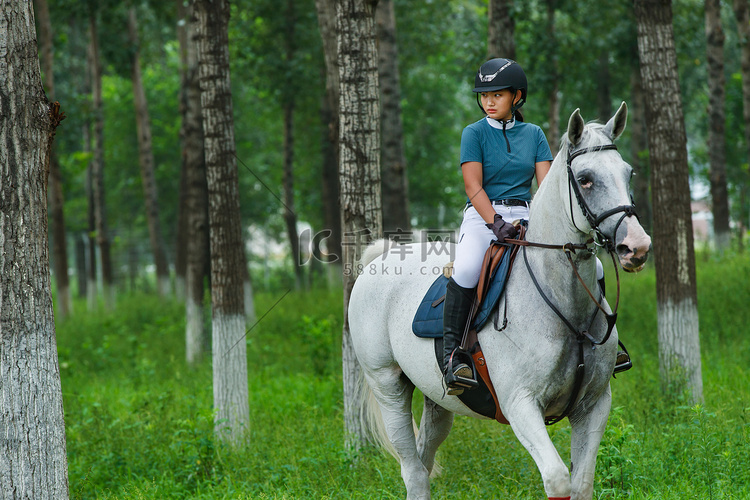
[471,149]
[543,152]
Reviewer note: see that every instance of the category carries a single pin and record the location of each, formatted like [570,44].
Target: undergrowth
[139,420]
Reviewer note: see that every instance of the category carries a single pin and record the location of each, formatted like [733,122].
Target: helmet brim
[490,89]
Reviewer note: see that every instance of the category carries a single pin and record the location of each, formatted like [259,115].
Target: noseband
[594,220]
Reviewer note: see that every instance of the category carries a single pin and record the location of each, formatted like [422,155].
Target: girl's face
[497,103]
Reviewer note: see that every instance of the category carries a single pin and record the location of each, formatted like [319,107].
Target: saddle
[428,321]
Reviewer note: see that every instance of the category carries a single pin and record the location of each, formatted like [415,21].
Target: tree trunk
[195,197]
[501,29]
[326,10]
[742,13]
[81,278]
[603,90]
[679,342]
[227,247]
[59,247]
[639,148]
[91,274]
[97,169]
[33,461]
[553,134]
[395,181]
[146,157]
[290,217]
[181,241]
[359,170]
[92,286]
[716,123]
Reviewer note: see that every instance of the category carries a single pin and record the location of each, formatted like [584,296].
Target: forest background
[577,55]
[589,61]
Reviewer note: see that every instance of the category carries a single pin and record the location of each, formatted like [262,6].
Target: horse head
[599,188]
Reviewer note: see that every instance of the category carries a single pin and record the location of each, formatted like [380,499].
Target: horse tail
[375,250]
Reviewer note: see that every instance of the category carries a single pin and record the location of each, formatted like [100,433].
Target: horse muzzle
[633,248]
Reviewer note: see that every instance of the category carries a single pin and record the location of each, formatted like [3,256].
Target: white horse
[533,362]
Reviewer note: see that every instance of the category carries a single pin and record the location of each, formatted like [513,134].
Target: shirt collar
[499,125]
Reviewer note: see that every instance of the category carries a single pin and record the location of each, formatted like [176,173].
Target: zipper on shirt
[506,136]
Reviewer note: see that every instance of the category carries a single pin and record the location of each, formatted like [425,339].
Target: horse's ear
[575,127]
[616,124]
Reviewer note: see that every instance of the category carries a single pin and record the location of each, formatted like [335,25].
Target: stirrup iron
[461,376]
[623,362]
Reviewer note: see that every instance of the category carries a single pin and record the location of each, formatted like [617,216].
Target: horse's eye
[585,182]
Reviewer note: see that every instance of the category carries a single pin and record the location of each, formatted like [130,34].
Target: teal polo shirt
[505,175]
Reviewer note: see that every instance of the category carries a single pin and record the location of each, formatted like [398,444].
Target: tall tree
[326,12]
[742,13]
[91,272]
[33,462]
[553,133]
[195,195]
[59,247]
[288,103]
[146,160]
[195,191]
[97,166]
[716,120]
[359,169]
[604,87]
[679,342]
[395,181]
[501,29]
[639,147]
[181,238]
[227,247]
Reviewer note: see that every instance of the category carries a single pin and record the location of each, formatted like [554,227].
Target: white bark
[230,376]
[193,331]
[679,359]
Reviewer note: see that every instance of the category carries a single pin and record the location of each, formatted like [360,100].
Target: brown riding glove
[502,229]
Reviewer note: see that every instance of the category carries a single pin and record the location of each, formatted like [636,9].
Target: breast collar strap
[582,336]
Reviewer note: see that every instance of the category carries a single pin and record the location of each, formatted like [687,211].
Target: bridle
[601,240]
[594,220]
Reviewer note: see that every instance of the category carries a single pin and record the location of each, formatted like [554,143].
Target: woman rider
[500,155]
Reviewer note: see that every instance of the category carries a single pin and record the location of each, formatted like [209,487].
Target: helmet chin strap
[515,107]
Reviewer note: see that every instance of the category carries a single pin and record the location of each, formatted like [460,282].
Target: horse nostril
[623,250]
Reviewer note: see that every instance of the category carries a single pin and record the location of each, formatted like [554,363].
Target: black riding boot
[623,362]
[459,374]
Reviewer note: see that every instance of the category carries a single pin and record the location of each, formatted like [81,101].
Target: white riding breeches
[475,237]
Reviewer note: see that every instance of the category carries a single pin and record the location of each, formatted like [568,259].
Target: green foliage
[140,425]
[441,43]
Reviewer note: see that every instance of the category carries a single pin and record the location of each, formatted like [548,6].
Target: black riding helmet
[498,74]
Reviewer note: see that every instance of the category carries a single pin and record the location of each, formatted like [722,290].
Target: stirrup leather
[459,376]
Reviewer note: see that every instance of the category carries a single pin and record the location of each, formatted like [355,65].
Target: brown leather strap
[481,367]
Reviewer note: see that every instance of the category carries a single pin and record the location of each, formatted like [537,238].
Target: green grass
[139,421]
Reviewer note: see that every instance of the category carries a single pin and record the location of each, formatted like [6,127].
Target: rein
[569,249]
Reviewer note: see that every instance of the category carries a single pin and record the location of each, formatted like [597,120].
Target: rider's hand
[502,229]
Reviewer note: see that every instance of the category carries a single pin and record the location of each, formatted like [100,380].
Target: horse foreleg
[588,429]
[393,392]
[527,422]
[434,428]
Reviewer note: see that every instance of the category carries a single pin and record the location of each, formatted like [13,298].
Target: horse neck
[550,222]
[550,219]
